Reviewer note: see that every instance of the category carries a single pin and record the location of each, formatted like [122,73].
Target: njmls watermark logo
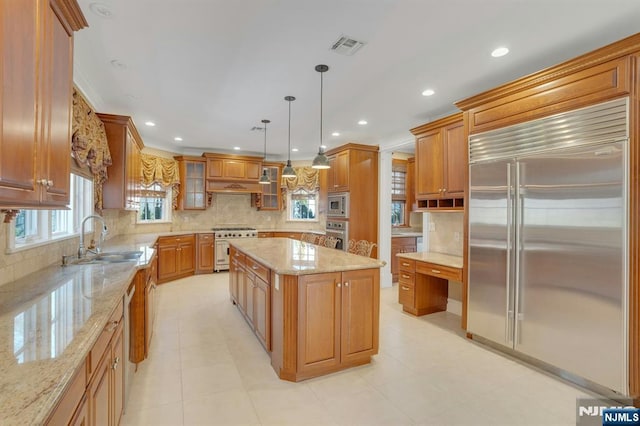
[606,412]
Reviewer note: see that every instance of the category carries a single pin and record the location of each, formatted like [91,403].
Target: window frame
[290,205]
[167,205]
[80,189]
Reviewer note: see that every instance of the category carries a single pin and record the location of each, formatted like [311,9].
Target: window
[398,192]
[397,213]
[155,204]
[37,227]
[303,205]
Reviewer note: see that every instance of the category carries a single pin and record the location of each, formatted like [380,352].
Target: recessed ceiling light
[102,10]
[177,139]
[335,134]
[500,51]
[362,122]
[237,148]
[428,92]
[149,123]
[323,146]
[294,149]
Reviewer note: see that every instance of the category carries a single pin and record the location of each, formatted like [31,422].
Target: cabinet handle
[338,285]
[405,264]
[405,288]
[49,183]
[346,284]
[405,276]
[115,363]
[435,271]
[254,267]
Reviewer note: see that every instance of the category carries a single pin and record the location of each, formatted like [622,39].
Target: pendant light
[288,171]
[264,179]
[321,161]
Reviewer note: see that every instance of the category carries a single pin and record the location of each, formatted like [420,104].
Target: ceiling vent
[347,46]
[257,129]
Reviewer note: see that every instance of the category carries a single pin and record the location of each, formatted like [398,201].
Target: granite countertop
[50,319]
[434,257]
[292,257]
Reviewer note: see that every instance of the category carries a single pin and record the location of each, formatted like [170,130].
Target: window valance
[89,146]
[306,178]
[163,171]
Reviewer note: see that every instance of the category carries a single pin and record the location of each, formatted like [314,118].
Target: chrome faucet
[81,250]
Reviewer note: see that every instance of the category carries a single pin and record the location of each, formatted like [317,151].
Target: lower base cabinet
[101,401]
[337,320]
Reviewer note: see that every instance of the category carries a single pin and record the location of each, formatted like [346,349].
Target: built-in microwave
[338,205]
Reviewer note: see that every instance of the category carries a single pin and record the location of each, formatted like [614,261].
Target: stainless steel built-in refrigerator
[548,241]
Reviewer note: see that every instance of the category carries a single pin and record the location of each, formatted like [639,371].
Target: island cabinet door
[262,312]
[360,308]
[250,284]
[319,322]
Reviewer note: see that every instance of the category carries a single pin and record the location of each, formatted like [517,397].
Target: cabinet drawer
[406,264]
[258,269]
[104,338]
[406,294]
[406,277]
[71,398]
[238,256]
[205,237]
[441,271]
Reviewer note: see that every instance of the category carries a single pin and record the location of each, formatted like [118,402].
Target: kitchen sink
[109,257]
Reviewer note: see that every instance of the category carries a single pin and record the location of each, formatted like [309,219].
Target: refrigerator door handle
[509,314]
[518,256]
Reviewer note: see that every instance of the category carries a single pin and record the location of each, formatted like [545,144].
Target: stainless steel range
[222,236]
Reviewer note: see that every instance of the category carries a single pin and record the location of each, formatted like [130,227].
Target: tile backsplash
[445,232]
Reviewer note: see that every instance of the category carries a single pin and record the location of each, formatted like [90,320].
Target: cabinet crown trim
[72,13]
[350,145]
[436,125]
[123,120]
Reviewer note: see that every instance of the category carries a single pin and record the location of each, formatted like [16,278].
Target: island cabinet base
[322,323]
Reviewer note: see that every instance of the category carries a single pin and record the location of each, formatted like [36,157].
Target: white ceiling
[210,70]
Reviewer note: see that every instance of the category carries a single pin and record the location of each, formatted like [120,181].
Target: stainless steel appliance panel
[491,262]
[338,205]
[571,245]
[339,229]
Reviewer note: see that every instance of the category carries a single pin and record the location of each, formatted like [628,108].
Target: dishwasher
[129,367]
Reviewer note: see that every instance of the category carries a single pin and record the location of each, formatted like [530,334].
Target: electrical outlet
[456,236]
[432,226]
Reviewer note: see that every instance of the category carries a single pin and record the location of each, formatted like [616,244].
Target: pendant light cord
[289,148]
[265,141]
[321,81]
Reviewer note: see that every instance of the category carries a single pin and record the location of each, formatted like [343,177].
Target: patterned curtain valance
[164,171]
[89,146]
[306,178]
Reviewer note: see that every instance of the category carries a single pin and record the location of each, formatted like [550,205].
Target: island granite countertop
[291,257]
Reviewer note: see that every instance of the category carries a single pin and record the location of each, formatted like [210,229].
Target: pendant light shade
[288,171]
[264,179]
[321,161]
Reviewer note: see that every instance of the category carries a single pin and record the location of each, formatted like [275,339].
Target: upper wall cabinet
[338,173]
[123,186]
[35,112]
[192,195]
[441,161]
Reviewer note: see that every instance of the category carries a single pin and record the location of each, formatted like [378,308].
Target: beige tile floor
[207,368]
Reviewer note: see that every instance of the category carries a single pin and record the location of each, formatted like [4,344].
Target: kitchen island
[314,309]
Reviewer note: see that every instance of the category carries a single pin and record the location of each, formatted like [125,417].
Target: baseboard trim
[454,306]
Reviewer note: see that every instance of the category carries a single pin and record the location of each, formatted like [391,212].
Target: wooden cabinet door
[318,322]
[149,314]
[117,371]
[429,165]
[81,416]
[167,260]
[360,308]
[99,392]
[250,284]
[262,312]
[454,159]
[205,253]
[339,172]
[186,256]
[233,276]
[395,249]
[242,287]
[55,154]
[234,169]
[18,174]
